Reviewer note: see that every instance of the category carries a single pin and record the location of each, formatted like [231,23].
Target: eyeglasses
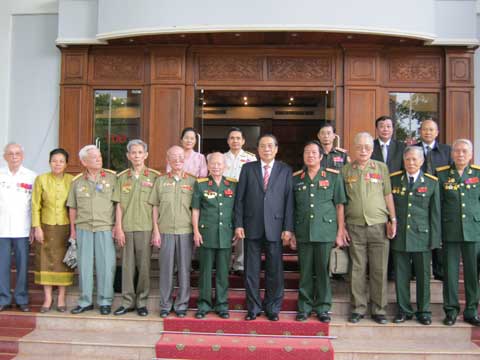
[363,147]
[12,154]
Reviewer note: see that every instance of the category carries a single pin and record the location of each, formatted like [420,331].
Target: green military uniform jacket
[335,159]
[315,204]
[366,190]
[460,198]
[173,196]
[418,212]
[216,211]
[93,201]
[133,194]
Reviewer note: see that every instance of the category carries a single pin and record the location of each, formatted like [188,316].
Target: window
[409,109]
[116,121]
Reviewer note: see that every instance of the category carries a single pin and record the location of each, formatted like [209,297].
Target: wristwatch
[393,219]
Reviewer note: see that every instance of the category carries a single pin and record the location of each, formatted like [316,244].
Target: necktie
[266,176]
[385,152]
[428,160]
[410,182]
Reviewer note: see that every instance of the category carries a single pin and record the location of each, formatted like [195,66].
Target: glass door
[117,120]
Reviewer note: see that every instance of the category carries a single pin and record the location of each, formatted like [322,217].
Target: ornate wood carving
[230,67]
[118,67]
[74,66]
[419,69]
[167,68]
[308,68]
[459,70]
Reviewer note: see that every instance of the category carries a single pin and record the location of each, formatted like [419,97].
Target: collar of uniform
[145,172]
[415,176]
[100,174]
[20,170]
[240,153]
[182,175]
[369,164]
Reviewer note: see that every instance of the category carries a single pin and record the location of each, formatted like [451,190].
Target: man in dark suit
[389,151]
[385,148]
[436,155]
[263,216]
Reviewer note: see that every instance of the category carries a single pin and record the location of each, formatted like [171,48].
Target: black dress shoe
[79,309]
[105,309]
[164,313]
[379,319]
[251,316]
[272,317]
[142,311]
[301,316]
[355,318]
[402,317]
[223,314]
[324,317]
[5,307]
[181,313]
[424,319]
[237,273]
[475,321]
[200,314]
[449,320]
[123,310]
[438,277]
[23,307]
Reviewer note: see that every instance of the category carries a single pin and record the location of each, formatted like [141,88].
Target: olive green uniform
[173,197]
[315,231]
[132,193]
[94,221]
[335,159]
[366,215]
[460,200]
[417,208]
[215,203]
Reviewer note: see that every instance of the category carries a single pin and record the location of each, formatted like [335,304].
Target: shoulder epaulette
[201,180]
[155,171]
[431,176]
[186,173]
[341,150]
[249,153]
[399,172]
[122,172]
[233,180]
[297,172]
[110,171]
[476,167]
[77,176]
[442,168]
[335,171]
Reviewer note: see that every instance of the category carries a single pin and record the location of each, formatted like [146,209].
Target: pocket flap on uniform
[476,218]
[422,229]
[328,219]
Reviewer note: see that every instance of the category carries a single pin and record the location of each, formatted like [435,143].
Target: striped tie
[266,177]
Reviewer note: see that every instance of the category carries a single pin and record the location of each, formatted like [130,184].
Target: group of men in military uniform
[383,199]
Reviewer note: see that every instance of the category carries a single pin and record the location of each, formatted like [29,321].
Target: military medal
[228,193]
[422,189]
[99,187]
[323,183]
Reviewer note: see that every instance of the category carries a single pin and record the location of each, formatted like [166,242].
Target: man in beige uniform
[172,195]
[367,213]
[133,227]
[235,158]
[91,212]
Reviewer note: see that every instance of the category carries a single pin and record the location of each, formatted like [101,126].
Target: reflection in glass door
[117,120]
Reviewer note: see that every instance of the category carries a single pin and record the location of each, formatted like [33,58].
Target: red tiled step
[287,325]
[220,347]
[236,299]
[7,356]
[11,320]
[8,345]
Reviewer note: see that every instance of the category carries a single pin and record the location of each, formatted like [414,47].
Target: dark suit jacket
[440,156]
[264,213]
[395,154]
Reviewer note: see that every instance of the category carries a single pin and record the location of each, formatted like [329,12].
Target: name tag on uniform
[337,159]
[324,183]
[147,183]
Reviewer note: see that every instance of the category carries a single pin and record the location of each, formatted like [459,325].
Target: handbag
[339,261]
[70,258]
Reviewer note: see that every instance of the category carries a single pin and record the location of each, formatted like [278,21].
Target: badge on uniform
[473,180]
[323,183]
[209,194]
[337,159]
[147,183]
[99,187]
[126,188]
[186,187]
[422,189]
[228,193]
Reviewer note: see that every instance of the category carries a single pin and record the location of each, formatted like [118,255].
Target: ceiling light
[201,90]
[245,98]
[327,92]
[294,35]
[291,99]
[237,35]
[245,103]
[204,103]
[289,104]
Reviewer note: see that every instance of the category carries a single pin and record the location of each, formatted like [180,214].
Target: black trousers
[274,283]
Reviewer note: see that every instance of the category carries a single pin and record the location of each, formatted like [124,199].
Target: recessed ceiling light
[245,103]
[289,104]
[350,37]
[294,35]
[131,40]
[402,40]
[182,35]
[245,98]
[292,99]
[237,35]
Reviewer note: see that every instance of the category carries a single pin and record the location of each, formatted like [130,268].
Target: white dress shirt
[234,163]
[15,202]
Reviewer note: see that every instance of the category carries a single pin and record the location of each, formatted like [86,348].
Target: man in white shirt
[235,158]
[16,183]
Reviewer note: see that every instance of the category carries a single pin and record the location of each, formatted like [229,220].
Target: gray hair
[83,153]
[174,147]
[137,142]
[361,135]
[211,155]
[416,149]
[13,144]
[463,141]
